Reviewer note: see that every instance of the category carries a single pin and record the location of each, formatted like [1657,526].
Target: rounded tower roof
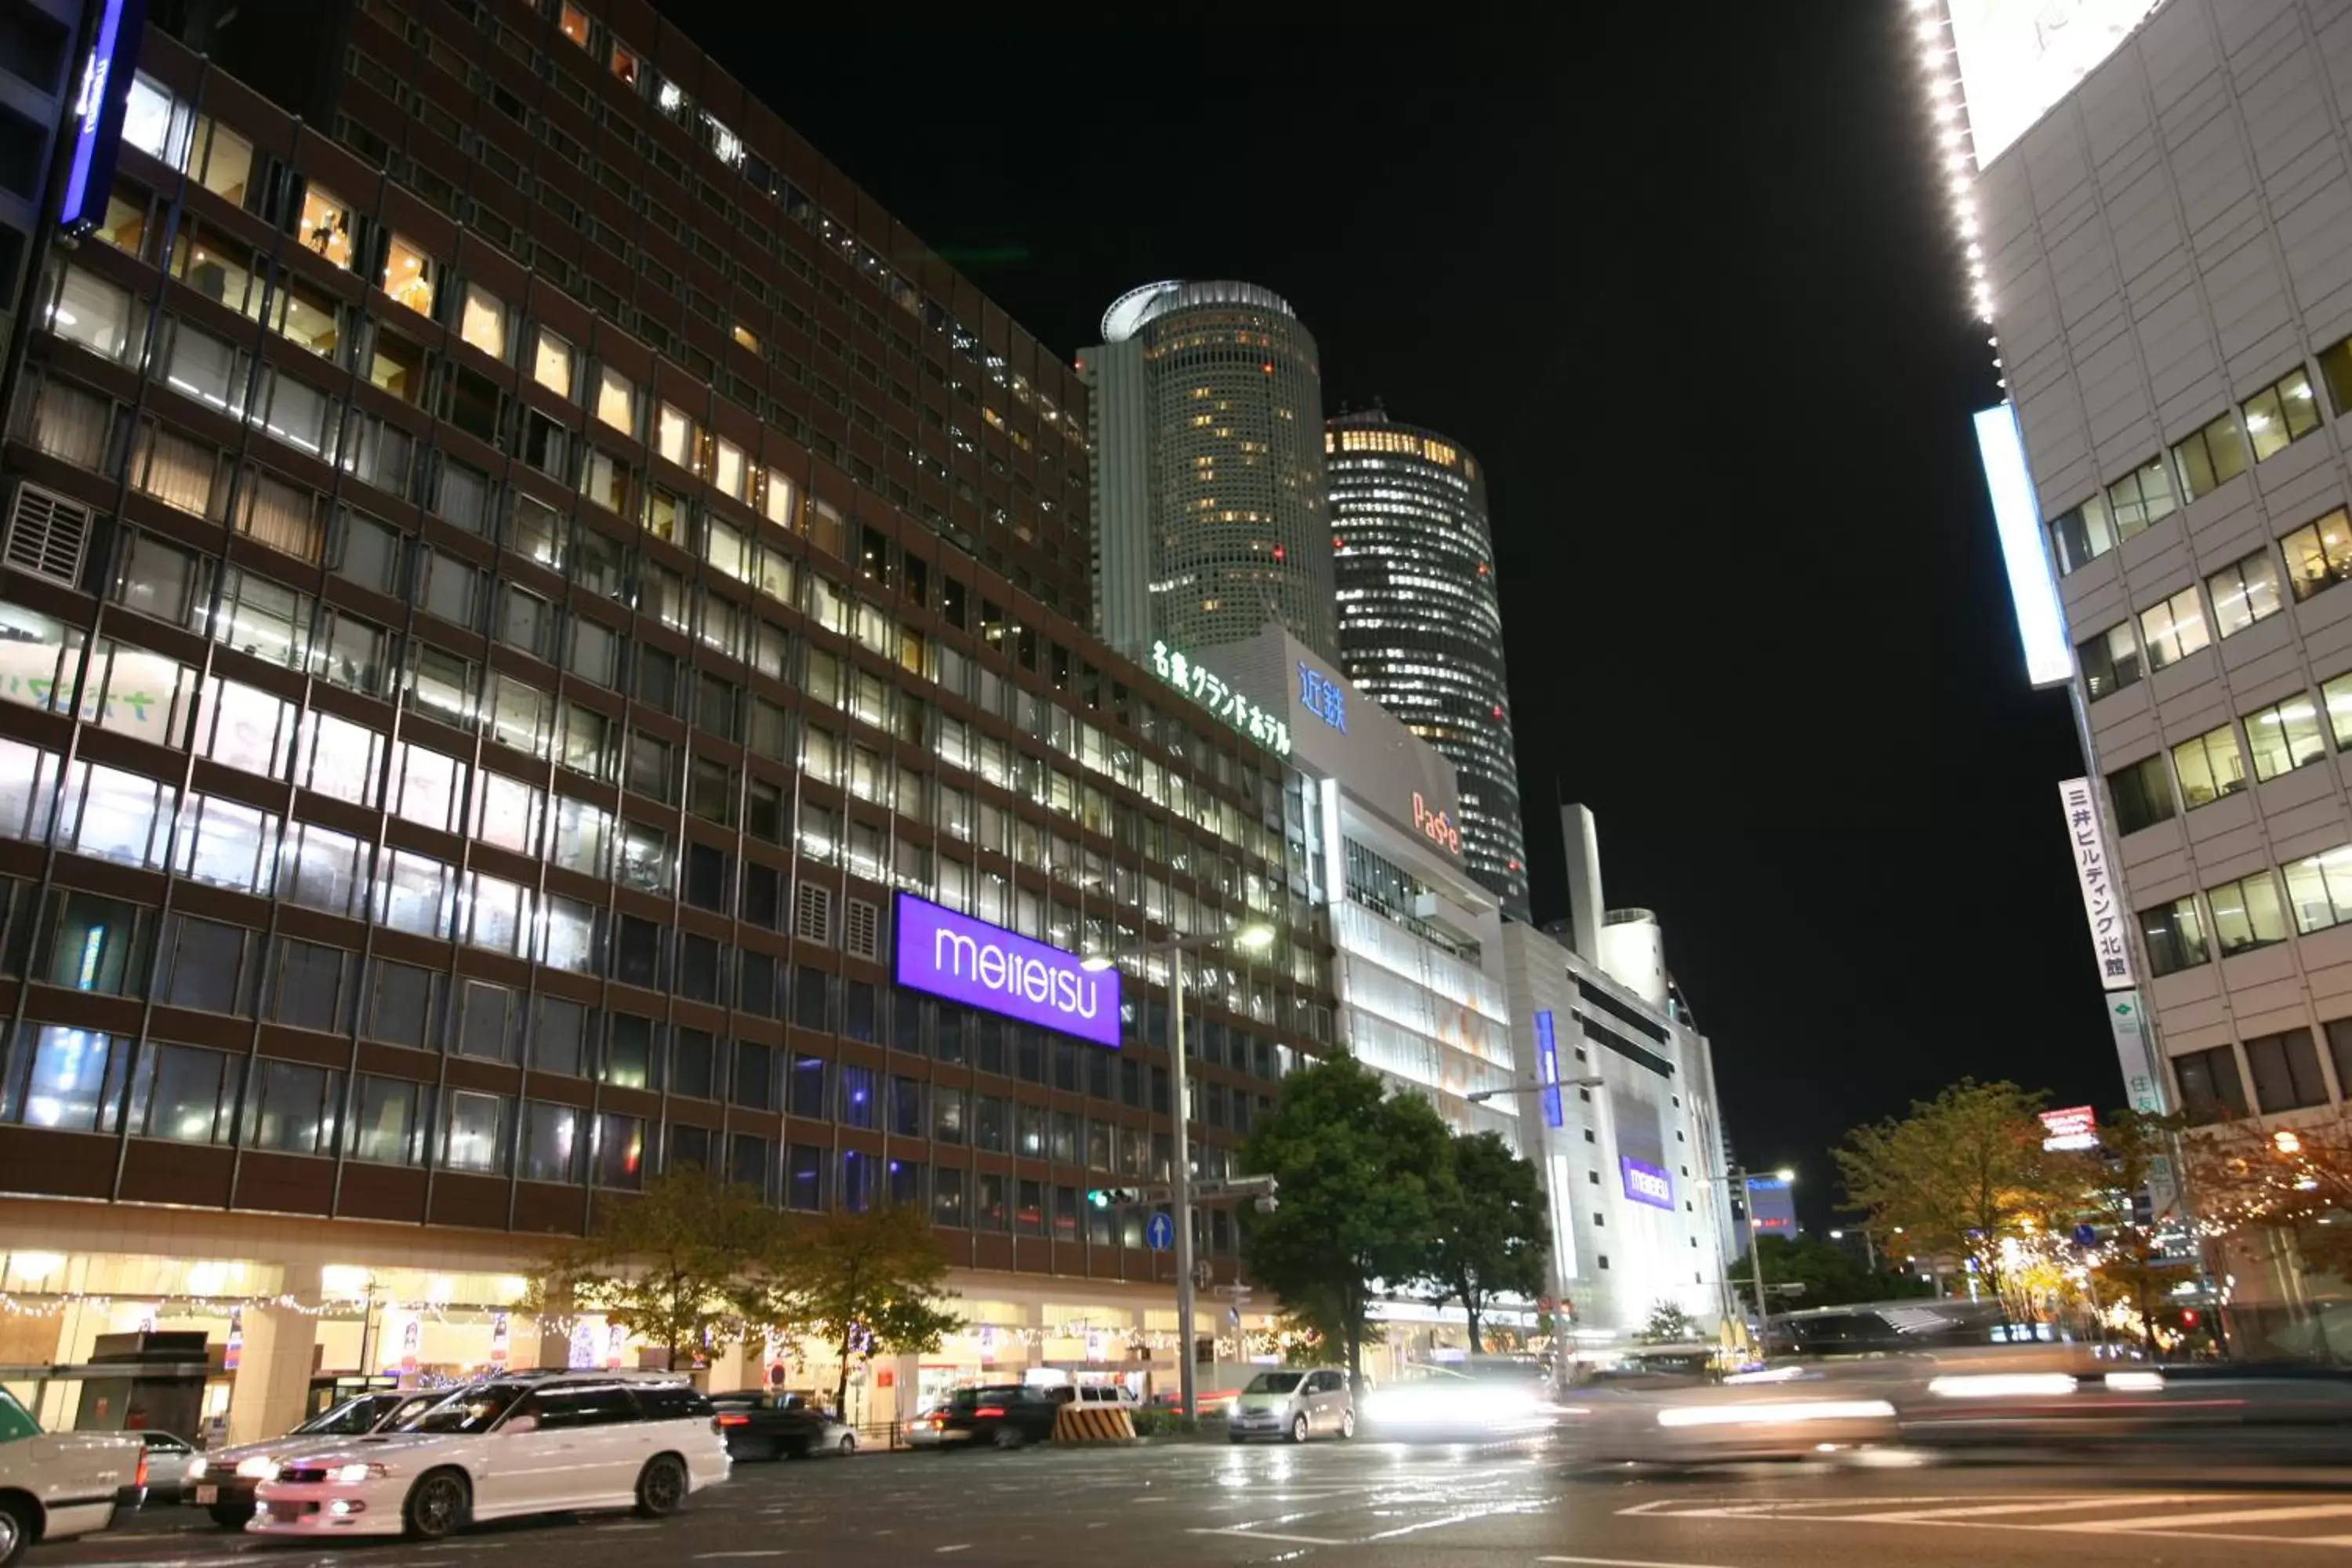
[1129,312]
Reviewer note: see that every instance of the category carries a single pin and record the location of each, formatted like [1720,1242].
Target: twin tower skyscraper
[1224,500]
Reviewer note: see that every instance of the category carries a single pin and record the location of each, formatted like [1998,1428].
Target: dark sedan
[763,1426]
[1000,1416]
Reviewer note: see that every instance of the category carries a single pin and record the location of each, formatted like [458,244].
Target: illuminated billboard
[2020,57]
[998,970]
[2017,521]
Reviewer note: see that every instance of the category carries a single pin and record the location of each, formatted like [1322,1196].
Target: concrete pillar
[270,1389]
[736,1367]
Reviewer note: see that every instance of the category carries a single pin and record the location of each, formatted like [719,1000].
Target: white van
[57,1484]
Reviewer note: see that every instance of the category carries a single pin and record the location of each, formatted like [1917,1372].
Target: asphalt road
[1379,1505]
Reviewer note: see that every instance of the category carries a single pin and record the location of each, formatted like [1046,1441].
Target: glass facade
[512,648]
[1421,620]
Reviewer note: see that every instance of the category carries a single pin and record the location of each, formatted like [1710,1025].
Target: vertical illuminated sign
[2101,900]
[99,104]
[2032,592]
[1548,1068]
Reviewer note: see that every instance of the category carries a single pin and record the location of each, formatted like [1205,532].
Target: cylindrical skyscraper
[1210,515]
[1421,626]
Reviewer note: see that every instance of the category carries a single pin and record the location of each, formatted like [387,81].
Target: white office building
[1374,814]
[1635,1166]
[2158,204]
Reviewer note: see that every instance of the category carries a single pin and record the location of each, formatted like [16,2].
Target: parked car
[57,1484]
[224,1481]
[509,1446]
[1001,1416]
[1293,1403]
[775,1425]
[168,1462]
[1097,1396]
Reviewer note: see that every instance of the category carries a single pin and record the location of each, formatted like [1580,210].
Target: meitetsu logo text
[1064,989]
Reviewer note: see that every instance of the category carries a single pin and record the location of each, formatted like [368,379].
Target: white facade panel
[2172,256]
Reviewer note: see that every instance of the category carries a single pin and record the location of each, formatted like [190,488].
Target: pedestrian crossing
[2301,1519]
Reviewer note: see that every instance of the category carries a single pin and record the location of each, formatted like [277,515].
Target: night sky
[1689,293]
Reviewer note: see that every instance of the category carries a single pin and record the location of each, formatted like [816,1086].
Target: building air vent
[48,535]
[861,928]
[812,915]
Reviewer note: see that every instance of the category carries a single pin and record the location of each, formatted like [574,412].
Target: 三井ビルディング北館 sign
[997,971]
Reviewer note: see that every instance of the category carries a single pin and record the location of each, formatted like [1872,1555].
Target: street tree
[683,1265]
[2127,1265]
[2292,1183]
[1360,1172]
[1668,1325]
[1963,1174]
[1490,1230]
[870,1282]
[1830,1275]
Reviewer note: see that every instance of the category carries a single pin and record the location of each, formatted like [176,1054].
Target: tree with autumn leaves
[695,1265]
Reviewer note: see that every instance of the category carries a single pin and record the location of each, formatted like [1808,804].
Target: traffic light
[1113,1197]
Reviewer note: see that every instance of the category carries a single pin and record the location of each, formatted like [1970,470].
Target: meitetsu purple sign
[998,970]
[1646,1183]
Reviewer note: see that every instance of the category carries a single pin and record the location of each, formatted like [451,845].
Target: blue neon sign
[1323,697]
[98,109]
[1548,1068]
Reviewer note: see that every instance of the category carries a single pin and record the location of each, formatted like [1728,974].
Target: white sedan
[512,1447]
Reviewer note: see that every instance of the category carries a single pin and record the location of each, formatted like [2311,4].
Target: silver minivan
[1293,1403]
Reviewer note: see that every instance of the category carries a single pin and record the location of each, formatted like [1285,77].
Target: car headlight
[357,1472]
[260,1468]
[196,1469]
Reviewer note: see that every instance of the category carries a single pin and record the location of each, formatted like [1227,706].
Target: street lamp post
[1756,1254]
[1556,1283]
[1249,938]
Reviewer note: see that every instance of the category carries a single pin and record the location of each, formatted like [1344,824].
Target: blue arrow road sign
[1160,1232]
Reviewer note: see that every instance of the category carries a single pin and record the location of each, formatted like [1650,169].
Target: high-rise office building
[2161,201]
[516,579]
[1420,622]
[1210,519]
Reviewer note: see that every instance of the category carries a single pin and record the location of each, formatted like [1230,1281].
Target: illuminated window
[2247,913]
[551,364]
[673,435]
[2280,414]
[2173,629]
[625,64]
[408,276]
[2337,695]
[573,22]
[2284,736]
[157,124]
[326,226]
[2140,498]
[745,336]
[616,399]
[2244,592]
[2210,766]
[2319,554]
[484,324]
[2319,889]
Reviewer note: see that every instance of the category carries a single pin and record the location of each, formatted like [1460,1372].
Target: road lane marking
[2107,1500]
[708,1556]
[2187,1523]
[1247,1534]
[965,1546]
